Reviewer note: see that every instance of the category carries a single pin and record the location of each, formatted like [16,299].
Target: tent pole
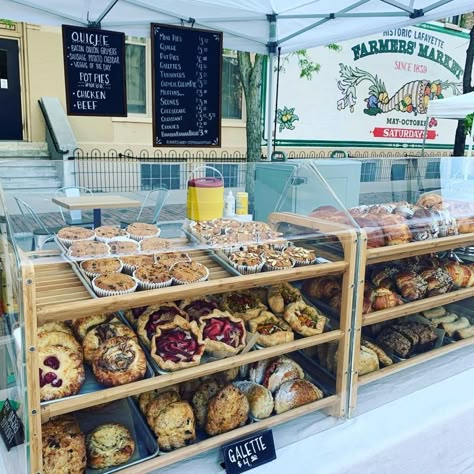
[424,137]
[272,47]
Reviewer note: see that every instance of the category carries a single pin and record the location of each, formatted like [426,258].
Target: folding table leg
[97,218]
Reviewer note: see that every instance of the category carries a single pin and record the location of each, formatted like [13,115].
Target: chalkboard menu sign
[187,66]
[11,427]
[94,66]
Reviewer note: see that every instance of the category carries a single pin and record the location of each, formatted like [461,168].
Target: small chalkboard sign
[187,70]
[11,427]
[250,452]
[94,68]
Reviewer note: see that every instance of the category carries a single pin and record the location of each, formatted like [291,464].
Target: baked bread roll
[61,372]
[101,333]
[279,296]
[304,319]
[459,273]
[460,323]
[58,338]
[322,288]
[410,285]
[82,326]
[201,398]
[271,330]
[227,410]
[54,326]
[384,298]
[259,397]
[368,361]
[109,445]
[118,361]
[296,393]
[281,371]
[64,446]
[439,281]
[395,229]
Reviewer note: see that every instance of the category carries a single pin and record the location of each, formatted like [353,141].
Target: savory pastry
[201,398]
[156,402]
[368,361]
[304,319]
[61,372]
[439,281]
[189,272]
[227,410]
[271,373]
[411,285]
[384,298]
[166,393]
[109,445]
[259,397]
[177,345]
[197,307]
[111,284]
[460,323]
[465,225]
[222,333]
[82,326]
[64,446]
[296,393]
[60,326]
[174,425]
[155,316]
[459,273]
[281,295]
[322,288]
[271,330]
[58,338]
[118,361]
[395,229]
[382,356]
[101,333]
[242,304]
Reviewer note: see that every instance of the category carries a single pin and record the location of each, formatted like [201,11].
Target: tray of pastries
[456,319]
[89,355]
[98,440]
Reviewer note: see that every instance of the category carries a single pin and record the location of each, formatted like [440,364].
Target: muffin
[106,233]
[170,258]
[246,262]
[153,276]
[132,262]
[123,247]
[97,266]
[69,235]
[140,230]
[154,243]
[300,255]
[278,261]
[189,272]
[88,248]
[111,284]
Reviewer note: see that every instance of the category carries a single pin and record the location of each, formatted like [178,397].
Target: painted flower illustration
[286,117]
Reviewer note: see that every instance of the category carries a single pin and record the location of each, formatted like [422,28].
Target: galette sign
[250,452]
[11,427]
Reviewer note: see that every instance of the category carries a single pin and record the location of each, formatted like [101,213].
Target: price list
[187,64]
[94,67]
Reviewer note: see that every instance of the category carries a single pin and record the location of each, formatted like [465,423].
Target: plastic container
[242,203]
[205,200]
[229,205]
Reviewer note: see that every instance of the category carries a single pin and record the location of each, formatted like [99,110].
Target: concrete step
[6,163]
[30,183]
[19,172]
[21,154]
[15,146]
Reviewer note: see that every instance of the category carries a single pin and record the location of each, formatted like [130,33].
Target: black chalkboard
[187,71]
[249,452]
[11,427]
[94,68]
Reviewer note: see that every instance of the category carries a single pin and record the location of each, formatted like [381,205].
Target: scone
[259,397]
[118,361]
[101,333]
[109,445]
[61,372]
[64,446]
[145,398]
[200,400]
[295,393]
[229,409]
[174,425]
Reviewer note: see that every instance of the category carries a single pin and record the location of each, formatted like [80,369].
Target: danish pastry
[118,361]
[305,320]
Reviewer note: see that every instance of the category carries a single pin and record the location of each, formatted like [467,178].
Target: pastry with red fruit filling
[155,316]
[61,372]
[177,345]
[197,307]
[222,333]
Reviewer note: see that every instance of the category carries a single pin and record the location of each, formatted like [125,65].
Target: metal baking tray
[91,385]
[124,412]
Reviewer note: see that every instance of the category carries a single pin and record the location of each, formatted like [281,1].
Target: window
[135,61]
[432,170]
[160,176]
[231,89]
[368,171]
[229,171]
[398,172]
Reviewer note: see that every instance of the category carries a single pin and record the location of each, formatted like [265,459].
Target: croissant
[370,224]
[384,298]
[465,225]
[460,274]
[395,229]
[411,286]
[368,300]
[439,281]
[384,278]
[323,288]
[431,200]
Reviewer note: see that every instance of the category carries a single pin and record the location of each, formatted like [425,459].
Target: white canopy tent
[259,26]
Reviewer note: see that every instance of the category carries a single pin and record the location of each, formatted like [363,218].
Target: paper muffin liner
[102,293]
[135,251]
[69,242]
[106,240]
[129,269]
[204,278]
[148,285]
[246,269]
[139,238]
[94,274]
[270,268]
[302,263]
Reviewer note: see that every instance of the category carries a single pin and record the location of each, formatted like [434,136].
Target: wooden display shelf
[415,360]
[416,306]
[57,310]
[194,449]
[396,252]
[60,407]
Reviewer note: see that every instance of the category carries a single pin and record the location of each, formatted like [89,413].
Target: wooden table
[97,202]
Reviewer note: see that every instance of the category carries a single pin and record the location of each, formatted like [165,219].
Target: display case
[237,269]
